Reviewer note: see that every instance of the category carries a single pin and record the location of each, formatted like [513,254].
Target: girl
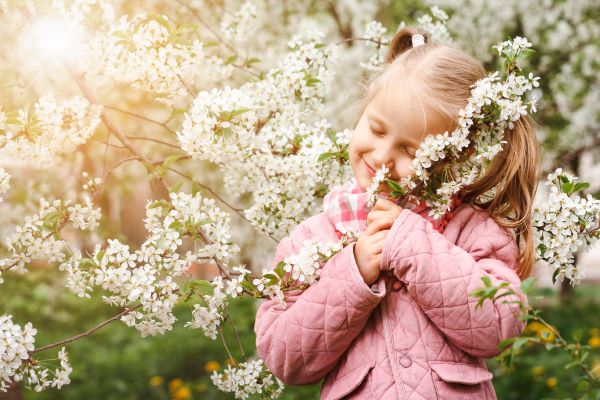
[391,316]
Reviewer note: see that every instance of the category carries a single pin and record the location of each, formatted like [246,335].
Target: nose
[383,156]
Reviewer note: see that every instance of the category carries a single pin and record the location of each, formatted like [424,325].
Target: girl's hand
[383,209]
[368,247]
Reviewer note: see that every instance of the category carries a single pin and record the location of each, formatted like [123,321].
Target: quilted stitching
[337,325]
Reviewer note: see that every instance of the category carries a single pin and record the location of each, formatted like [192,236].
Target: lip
[370,169]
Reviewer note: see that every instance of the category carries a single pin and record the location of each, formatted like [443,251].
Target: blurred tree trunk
[13,393]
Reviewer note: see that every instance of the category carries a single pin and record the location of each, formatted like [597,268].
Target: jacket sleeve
[439,275]
[302,340]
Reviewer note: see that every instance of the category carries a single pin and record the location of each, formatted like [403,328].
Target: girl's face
[389,132]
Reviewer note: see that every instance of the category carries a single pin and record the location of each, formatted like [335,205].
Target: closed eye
[406,150]
[375,132]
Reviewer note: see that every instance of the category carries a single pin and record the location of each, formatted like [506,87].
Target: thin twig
[86,333]
[162,124]
[237,336]
[186,86]
[208,189]
[154,140]
[92,98]
[207,26]
[226,347]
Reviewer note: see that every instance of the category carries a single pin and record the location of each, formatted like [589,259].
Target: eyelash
[377,133]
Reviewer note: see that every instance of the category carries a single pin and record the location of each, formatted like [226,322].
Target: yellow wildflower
[182,393]
[156,381]
[541,331]
[551,382]
[211,366]
[175,384]
[594,341]
[538,371]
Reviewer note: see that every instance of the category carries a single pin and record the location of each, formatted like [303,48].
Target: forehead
[402,106]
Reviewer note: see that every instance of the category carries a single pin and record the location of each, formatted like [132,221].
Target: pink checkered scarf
[346,207]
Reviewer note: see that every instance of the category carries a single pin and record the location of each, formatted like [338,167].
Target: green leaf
[279,269]
[121,35]
[325,156]
[580,186]
[162,21]
[238,111]
[526,52]
[204,287]
[506,342]
[171,159]
[195,187]
[527,284]
[571,364]
[100,255]
[577,335]
[176,225]
[87,262]
[251,61]
[583,386]
[486,280]
[555,275]
[394,185]
[331,135]
[231,59]
[176,187]
[158,203]
[567,187]
[270,276]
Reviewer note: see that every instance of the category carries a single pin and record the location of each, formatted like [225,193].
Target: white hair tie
[418,40]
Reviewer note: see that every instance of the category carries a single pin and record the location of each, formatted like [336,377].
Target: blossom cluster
[248,378]
[379,177]
[210,316]
[151,53]
[147,274]
[300,270]
[495,104]
[16,343]
[51,128]
[240,24]
[434,23]
[35,239]
[256,134]
[564,224]
[4,182]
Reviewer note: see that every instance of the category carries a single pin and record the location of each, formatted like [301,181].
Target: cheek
[404,167]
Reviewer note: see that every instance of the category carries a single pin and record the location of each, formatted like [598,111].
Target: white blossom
[248,378]
[564,224]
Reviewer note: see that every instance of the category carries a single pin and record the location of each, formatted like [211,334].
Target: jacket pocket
[342,386]
[459,381]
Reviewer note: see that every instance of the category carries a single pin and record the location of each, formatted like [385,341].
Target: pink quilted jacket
[415,333]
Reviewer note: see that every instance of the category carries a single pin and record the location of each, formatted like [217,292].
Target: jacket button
[396,285]
[405,361]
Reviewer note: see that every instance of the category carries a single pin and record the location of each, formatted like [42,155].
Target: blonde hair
[446,74]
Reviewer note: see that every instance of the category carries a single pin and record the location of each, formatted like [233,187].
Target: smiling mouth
[370,170]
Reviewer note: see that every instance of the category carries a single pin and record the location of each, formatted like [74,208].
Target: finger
[379,240]
[378,225]
[374,215]
[383,204]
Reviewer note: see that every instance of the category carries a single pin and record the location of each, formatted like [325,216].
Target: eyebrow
[379,120]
